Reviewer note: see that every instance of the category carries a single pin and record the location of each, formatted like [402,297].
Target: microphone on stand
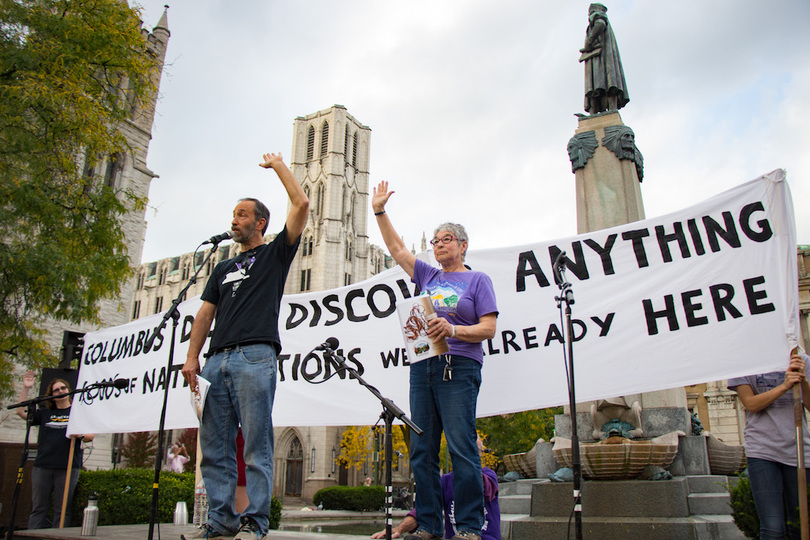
[117,383]
[219,238]
[329,345]
[558,268]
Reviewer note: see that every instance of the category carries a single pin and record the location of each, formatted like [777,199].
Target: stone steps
[693,507]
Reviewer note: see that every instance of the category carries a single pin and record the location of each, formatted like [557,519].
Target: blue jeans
[776,496]
[243,384]
[438,405]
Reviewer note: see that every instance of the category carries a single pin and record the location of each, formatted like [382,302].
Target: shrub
[125,496]
[358,499]
[743,510]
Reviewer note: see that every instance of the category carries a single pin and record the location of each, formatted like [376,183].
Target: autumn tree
[71,72]
[518,432]
[357,446]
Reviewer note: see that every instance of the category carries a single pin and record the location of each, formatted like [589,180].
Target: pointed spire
[424,241]
[163,23]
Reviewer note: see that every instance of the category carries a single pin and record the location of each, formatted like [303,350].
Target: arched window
[115,165]
[310,143]
[346,146]
[354,151]
[324,139]
[319,200]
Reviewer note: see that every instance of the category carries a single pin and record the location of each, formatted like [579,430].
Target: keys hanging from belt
[448,369]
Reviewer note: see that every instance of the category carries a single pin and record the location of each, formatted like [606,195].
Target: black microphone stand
[172,313]
[567,297]
[390,411]
[31,405]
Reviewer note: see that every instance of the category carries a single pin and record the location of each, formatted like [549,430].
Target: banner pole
[798,413]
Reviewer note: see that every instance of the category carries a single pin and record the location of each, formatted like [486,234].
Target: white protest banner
[703,294]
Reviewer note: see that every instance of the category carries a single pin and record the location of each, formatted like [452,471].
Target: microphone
[219,238]
[558,267]
[329,345]
[117,383]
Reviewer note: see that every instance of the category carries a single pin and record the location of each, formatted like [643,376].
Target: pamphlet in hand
[198,396]
[414,314]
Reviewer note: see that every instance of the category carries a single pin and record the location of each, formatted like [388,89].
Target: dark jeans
[438,405]
[776,496]
[44,483]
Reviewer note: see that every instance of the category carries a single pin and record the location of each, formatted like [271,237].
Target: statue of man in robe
[605,87]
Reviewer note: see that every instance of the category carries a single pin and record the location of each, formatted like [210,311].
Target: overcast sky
[471,105]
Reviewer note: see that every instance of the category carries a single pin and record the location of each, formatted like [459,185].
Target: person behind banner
[177,458]
[53,448]
[244,294]
[444,388]
[770,444]
[490,530]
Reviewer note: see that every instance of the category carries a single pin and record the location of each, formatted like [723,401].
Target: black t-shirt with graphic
[53,445]
[247,291]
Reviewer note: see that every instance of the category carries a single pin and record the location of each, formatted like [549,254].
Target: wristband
[379,213]
[454,331]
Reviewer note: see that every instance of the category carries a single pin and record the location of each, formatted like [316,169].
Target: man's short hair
[260,211]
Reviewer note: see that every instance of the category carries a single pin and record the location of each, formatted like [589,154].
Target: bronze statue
[605,88]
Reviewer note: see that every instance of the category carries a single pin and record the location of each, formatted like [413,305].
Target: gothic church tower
[330,158]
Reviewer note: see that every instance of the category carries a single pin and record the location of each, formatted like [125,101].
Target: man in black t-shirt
[244,293]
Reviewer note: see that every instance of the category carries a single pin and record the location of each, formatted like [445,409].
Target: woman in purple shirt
[444,388]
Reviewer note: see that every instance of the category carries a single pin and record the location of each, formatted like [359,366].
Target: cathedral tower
[330,158]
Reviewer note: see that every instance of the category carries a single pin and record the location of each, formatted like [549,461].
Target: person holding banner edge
[50,467]
[444,389]
[244,294]
[770,444]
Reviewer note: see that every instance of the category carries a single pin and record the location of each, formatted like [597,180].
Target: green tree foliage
[71,72]
[140,450]
[518,432]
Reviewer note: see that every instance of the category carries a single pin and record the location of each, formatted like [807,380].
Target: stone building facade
[330,152]
[125,172]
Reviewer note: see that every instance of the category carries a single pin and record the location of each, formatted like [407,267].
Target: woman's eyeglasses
[443,240]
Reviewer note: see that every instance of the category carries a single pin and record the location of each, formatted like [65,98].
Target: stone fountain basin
[618,458]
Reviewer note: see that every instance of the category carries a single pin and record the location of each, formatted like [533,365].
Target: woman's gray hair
[456,230]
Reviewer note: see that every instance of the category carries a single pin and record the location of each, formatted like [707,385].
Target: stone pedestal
[608,188]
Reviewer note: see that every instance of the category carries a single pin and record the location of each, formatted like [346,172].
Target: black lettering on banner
[604,252]
[690,308]
[637,237]
[295,319]
[694,232]
[755,296]
[389,294]
[350,296]
[604,326]
[676,236]
[185,329]
[528,266]
[668,313]
[721,295]
[553,334]
[578,267]
[764,233]
[727,233]
[530,338]
[328,302]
